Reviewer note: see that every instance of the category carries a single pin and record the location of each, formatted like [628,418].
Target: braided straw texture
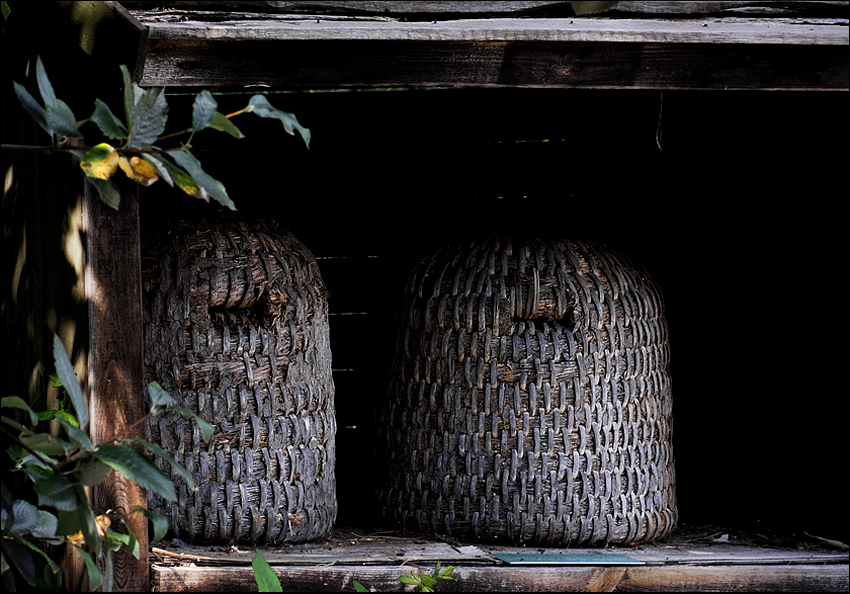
[236,330]
[529,398]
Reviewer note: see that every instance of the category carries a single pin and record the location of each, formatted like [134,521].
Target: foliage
[424,582]
[132,148]
[267,580]
[56,510]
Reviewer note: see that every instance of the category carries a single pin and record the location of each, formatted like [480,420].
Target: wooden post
[116,371]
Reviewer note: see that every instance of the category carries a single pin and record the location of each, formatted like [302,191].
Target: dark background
[741,219]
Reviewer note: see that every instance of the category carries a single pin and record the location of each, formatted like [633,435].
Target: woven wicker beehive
[236,330]
[529,398]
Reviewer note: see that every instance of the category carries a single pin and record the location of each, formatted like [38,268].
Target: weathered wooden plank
[809,578]
[329,64]
[597,30]
[113,290]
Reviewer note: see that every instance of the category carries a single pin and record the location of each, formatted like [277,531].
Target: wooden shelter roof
[664,45]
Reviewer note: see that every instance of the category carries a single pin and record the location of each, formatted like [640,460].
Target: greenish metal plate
[566,559]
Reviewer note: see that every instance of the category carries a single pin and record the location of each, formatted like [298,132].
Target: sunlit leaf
[18,402]
[222,124]
[159,522]
[203,110]
[259,105]
[101,161]
[109,193]
[48,415]
[108,123]
[159,397]
[138,170]
[162,454]
[211,186]
[151,114]
[69,380]
[137,468]
[267,580]
[131,544]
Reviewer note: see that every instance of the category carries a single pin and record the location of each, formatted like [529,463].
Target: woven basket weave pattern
[530,399]
[236,330]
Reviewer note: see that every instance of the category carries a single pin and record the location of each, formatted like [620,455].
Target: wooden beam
[763,578]
[335,64]
[116,371]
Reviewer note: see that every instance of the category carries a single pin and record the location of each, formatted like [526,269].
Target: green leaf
[91,471]
[108,123]
[129,96]
[46,525]
[137,468]
[62,121]
[267,580]
[57,492]
[259,105]
[161,453]
[78,438]
[95,577]
[44,86]
[203,110]
[405,579]
[151,114]
[109,193]
[160,167]
[206,428]
[18,402]
[15,553]
[358,587]
[159,397]
[26,517]
[222,124]
[48,415]
[44,443]
[69,380]
[159,522]
[213,187]
[131,544]
[183,180]
[32,107]
[88,521]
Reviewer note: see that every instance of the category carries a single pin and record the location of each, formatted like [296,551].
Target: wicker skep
[529,398]
[236,330]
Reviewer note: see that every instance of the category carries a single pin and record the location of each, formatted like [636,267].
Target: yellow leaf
[102,521]
[138,170]
[100,161]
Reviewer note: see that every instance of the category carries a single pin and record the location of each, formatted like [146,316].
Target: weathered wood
[809,578]
[597,30]
[330,64]
[117,404]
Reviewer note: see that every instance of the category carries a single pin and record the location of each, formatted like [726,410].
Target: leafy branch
[59,469]
[136,151]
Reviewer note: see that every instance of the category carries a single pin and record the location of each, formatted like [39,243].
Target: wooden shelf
[286,50]
[376,561]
